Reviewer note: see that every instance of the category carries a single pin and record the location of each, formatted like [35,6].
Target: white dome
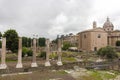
[108,26]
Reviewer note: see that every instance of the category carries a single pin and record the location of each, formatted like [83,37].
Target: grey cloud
[34,16]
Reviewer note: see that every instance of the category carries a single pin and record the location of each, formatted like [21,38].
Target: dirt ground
[38,75]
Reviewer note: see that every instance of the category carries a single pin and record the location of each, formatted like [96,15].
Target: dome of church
[108,26]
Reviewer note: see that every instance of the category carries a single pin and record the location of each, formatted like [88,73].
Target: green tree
[66,45]
[26,42]
[26,51]
[0,35]
[41,42]
[11,40]
[0,44]
[107,52]
[118,43]
[29,42]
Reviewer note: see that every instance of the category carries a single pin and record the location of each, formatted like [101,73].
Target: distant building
[71,38]
[94,39]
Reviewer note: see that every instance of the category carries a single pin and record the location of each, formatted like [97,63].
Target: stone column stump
[59,62]
[19,64]
[3,54]
[47,63]
[34,64]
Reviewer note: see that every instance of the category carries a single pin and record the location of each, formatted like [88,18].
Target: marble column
[59,62]
[47,63]
[19,64]
[34,64]
[3,54]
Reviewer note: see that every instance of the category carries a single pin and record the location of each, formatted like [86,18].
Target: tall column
[59,62]
[19,64]
[47,63]
[34,64]
[3,54]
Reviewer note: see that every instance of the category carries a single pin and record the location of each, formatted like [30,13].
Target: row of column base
[3,66]
[59,63]
[19,65]
[34,64]
[47,63]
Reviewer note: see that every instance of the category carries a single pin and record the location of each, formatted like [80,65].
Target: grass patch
[99,75]
[118,54]
[11,57]
[108,76]
[70,59]
[96,75]
[11,60]
[53,56]
[7,60]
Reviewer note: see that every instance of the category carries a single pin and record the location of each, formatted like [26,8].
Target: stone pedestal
[19,64]
[34,64]
[3,66]
[47,63]
[3,54]
[59,62]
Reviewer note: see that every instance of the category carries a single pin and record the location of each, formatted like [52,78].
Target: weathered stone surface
[47,63]
[19,64]
[34,64]
[3,66]
[3,54]
[59,62]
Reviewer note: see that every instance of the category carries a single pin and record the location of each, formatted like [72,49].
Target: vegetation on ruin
[66,45]
[53,56]
[99,75]
[42,55]
[26,52]
[107,52]
[69,59]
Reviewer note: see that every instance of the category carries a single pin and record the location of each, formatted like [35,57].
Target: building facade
[94,39]
[71,38]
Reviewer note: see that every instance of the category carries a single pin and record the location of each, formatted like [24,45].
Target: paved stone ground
[27,67]
[39,75]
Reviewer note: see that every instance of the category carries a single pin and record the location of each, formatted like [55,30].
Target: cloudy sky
[48,18]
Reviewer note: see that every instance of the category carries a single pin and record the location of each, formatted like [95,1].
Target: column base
[3,66]
[19,65]
[34,64]
[47,63]
[59,63]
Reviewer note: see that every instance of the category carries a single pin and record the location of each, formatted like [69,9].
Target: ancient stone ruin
[34,63]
